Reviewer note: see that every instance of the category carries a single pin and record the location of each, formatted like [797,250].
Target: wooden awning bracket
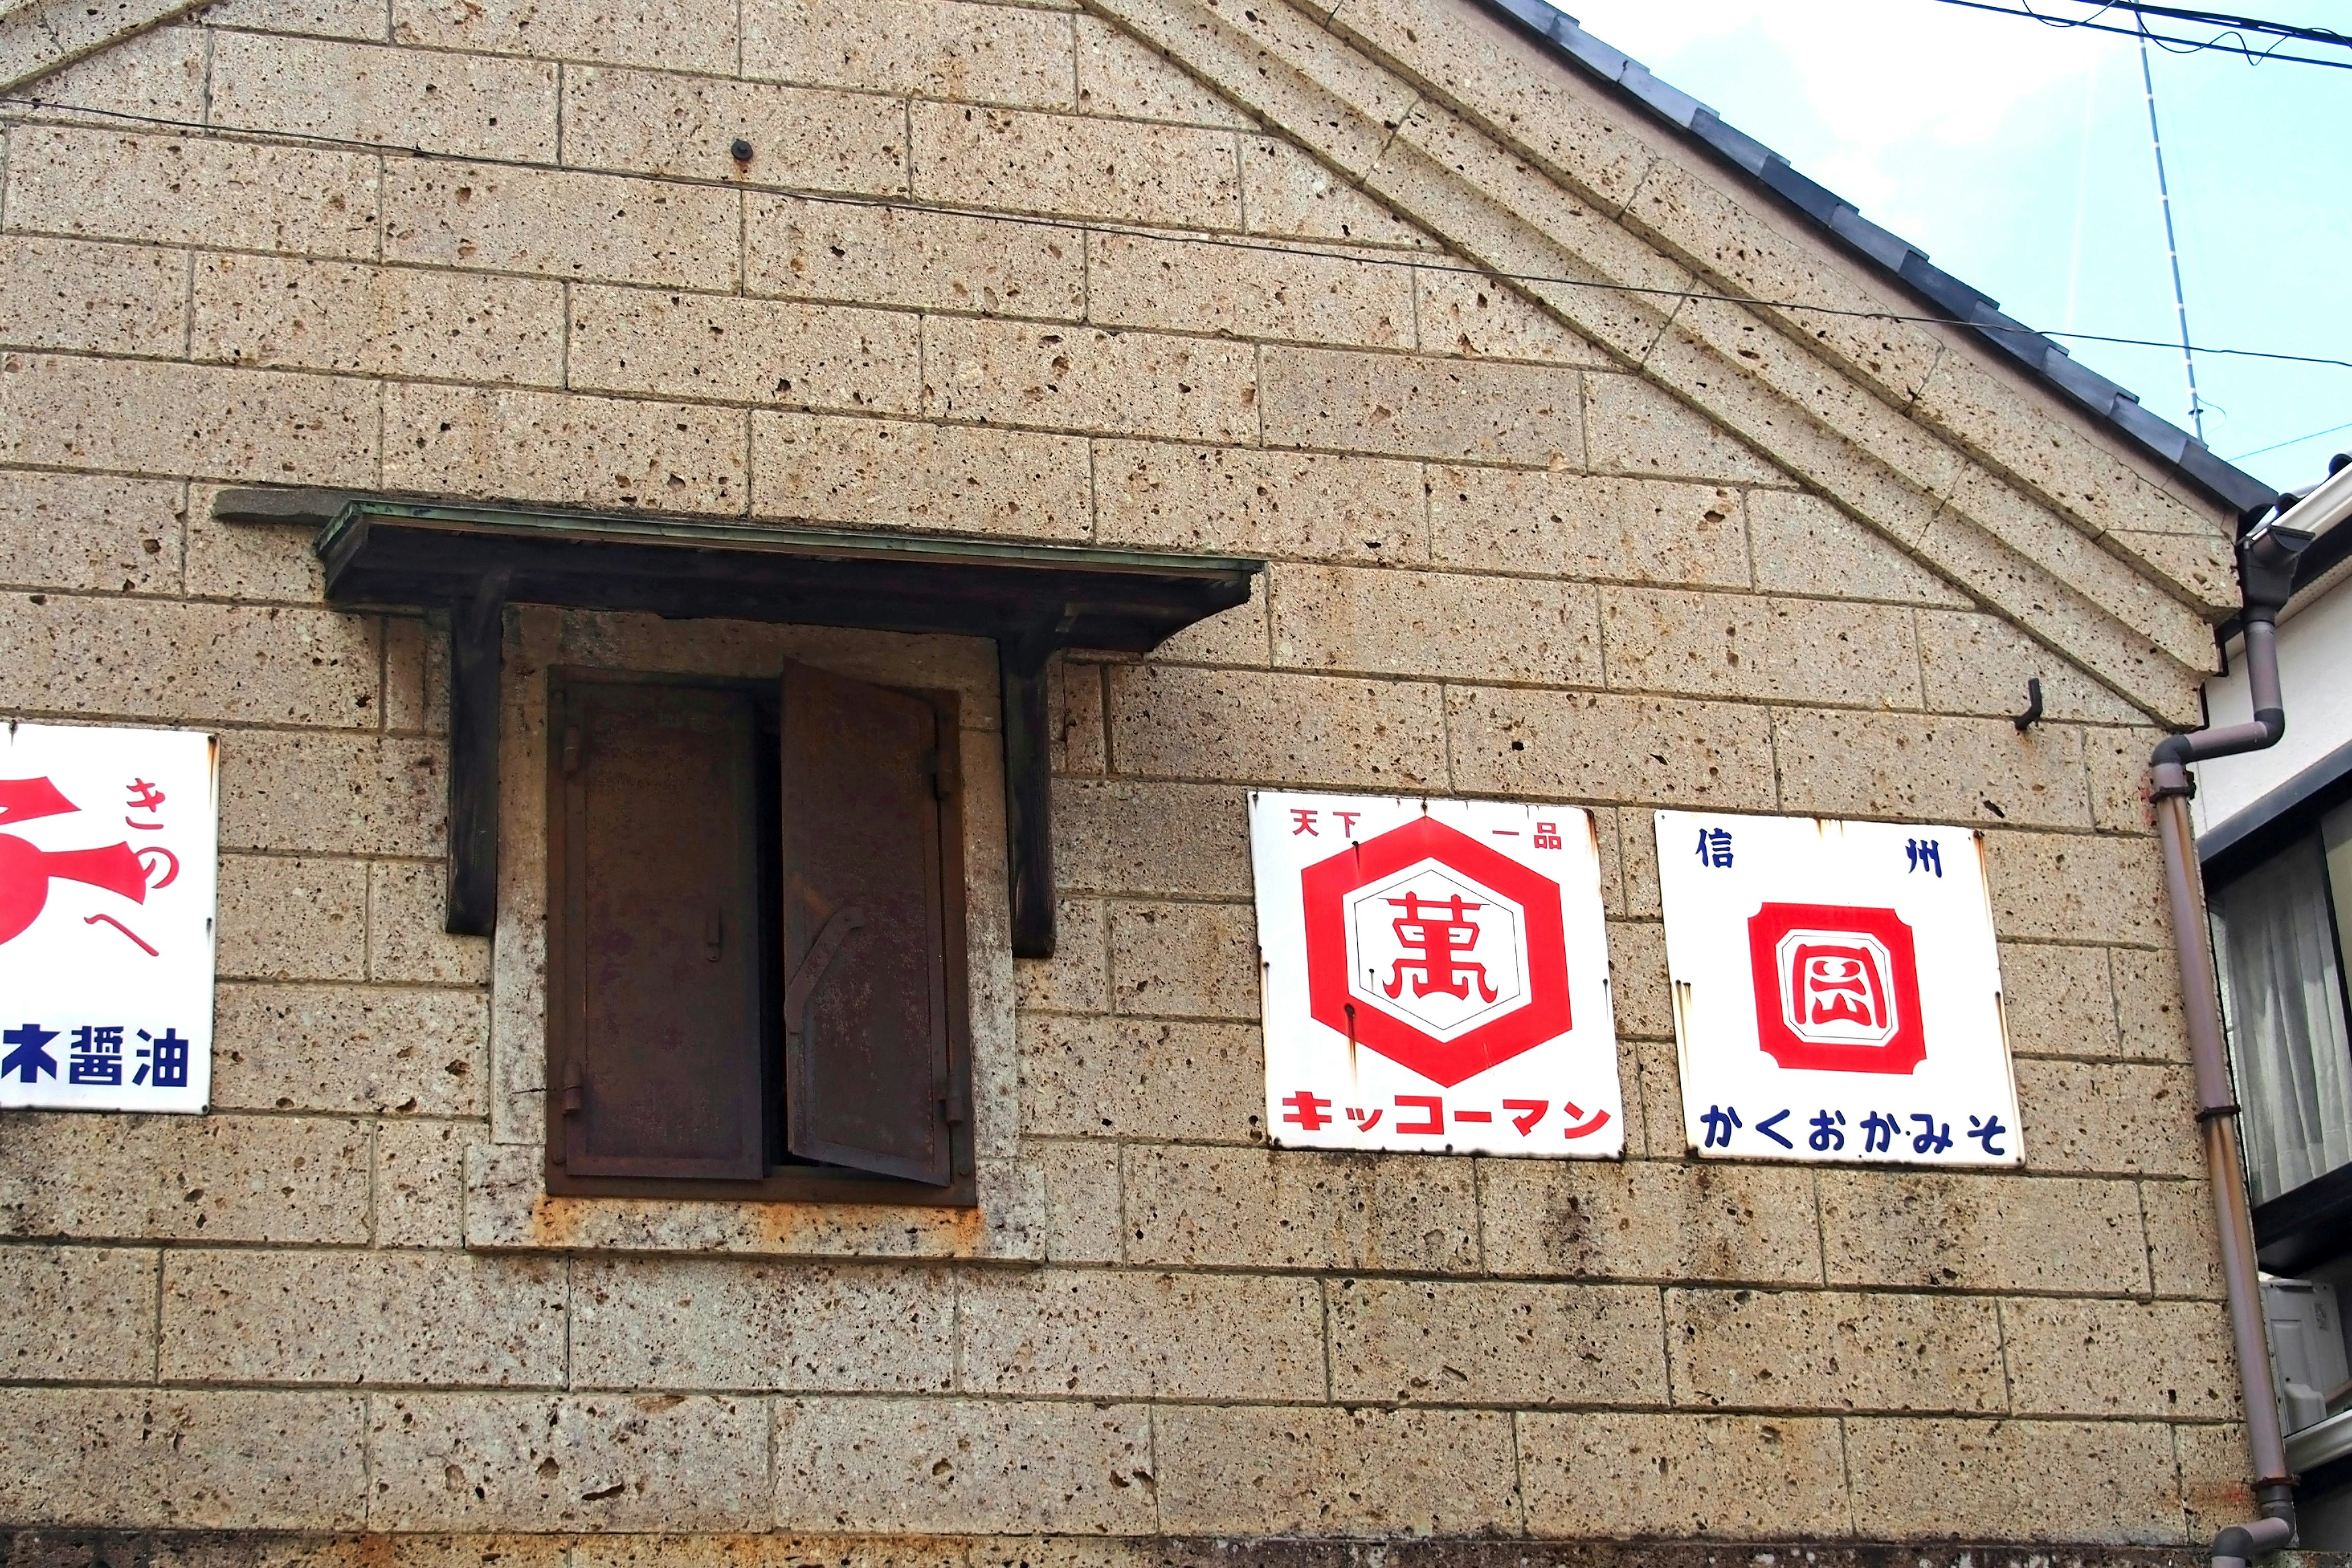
[472,560]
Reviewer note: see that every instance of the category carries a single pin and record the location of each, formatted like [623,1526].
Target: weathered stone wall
[1511,556]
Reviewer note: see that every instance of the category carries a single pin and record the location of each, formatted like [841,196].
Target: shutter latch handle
[713,933]
[804,981]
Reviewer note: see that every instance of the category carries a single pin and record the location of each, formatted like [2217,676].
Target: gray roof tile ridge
[1893,256]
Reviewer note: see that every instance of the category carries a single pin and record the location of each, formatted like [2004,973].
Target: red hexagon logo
[1435,951]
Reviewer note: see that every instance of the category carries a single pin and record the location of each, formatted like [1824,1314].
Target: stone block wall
[1078,296]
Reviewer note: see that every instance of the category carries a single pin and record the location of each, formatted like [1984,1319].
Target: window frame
[790,1183]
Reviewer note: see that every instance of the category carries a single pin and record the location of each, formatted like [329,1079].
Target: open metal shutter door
[659,964]
[865,1026]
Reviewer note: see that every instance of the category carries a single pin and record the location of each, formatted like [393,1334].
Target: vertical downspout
[2266,558]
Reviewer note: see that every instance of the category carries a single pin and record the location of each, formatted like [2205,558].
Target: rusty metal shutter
[865,1026]
[659,969]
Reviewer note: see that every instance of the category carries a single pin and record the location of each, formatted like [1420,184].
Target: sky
[2016,156]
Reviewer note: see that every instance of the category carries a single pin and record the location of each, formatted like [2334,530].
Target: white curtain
[2283,995]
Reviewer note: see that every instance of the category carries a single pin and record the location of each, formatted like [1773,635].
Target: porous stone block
[1804,544]
[1949,770]
[656,123]
[1521,1345]
[1740,1477]
[1132,1077]
[1623,529]
[927,48]
[1125,1334]
[408,935]
[2114,1118]
[1176,175]
[1299,505]
[2169,1359]
[362,1317]
[1184,960]
[669,34]
[363,1051]
[563,449]
[956,1466]
[1087,379]
[158,73]
[92,298]
[2184,1248]
[2147,1002]
[1459,311]
[363,19]
[2070,887]
[1582,746]
[640,1323]
[479,106]
[713,347]
[291,919]
[332,792]
[1941,1230]
[187,420]
[80,1314]
[1638,982]
[1080,1179]
[1123,78]
[1197,1207]
[1383,622]
[378,320]
[1832,1350]
[1418,407]
[2058,1000]
[1975,663]
[890,474]
[898,255]
[2118,761]
[113,657]
[420,1183]
[2017,1480]
[1264,1470]
[259,561]
[1771,650]
[561,223]
[1303,295]
[2215,1465]
[1248,725]
[76,530]
[566,1462]
[211,1178]
[107,185]
[1634,427]
[146,1458]
[1076,978]
[1287,193]
[1648,1219]
[1120,836]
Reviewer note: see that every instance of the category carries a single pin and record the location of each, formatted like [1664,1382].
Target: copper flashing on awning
[1030,599]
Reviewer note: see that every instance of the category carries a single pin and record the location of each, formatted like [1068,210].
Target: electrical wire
[1224,242]
[2289,441]
[2241,26]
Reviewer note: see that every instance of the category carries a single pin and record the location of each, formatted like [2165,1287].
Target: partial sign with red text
[1436,977]
[1837,992]
[107,866]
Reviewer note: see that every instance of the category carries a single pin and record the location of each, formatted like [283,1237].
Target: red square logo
[1837,988]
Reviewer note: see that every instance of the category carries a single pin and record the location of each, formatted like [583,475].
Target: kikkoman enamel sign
[107,866]
[1436,977]
[1837,992]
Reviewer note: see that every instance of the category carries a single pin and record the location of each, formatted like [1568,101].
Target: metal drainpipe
[2266,558]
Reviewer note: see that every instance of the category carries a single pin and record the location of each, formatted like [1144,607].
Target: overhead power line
[2251,38]
[1137,231]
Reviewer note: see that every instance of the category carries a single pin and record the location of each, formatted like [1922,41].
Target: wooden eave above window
[473,560]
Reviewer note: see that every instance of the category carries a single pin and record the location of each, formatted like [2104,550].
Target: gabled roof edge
[1893,258]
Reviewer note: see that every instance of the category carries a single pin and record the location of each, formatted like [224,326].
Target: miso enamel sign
[1837,994]
[1436,977]
[107,863]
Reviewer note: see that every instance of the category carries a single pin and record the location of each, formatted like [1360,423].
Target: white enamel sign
[1436,977]
[107,876]
[1837,992]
